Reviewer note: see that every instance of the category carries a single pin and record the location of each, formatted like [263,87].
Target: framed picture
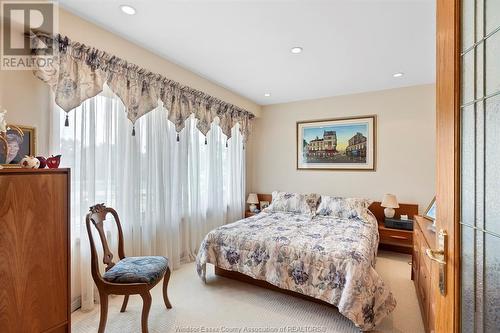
[17,142]
[264,204]
[430,212]
[336,144]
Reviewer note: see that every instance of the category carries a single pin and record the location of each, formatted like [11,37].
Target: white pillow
[292,202]
[342,207]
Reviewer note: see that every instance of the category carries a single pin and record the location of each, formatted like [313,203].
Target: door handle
[436,255]
[439,255]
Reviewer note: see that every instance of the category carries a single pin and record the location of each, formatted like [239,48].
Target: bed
[329,257]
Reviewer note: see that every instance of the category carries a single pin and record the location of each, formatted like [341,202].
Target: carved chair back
[97,217]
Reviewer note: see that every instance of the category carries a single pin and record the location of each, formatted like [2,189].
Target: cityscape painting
[336,144]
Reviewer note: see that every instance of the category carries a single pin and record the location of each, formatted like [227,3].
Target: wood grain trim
[68,218]
[448,156]
[15,170]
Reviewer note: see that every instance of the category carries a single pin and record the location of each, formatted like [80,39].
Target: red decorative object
[43,162]
[53,161]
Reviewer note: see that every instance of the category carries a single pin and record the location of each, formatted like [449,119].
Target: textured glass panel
[492,285]
[468,165]
[492,15]
[468,77]
[492,65]
[479,280]
[492,165]
[467,23]
[480,75]
[479,19]
[480,161]
[468,280]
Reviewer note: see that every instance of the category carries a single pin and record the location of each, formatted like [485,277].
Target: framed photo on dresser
[336,144]
[16,143]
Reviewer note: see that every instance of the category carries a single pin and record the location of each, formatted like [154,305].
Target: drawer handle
[398,237]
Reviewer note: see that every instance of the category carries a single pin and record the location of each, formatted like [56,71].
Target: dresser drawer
[415,264]
[425,274]
[396,237]
[424,259]
[424,282]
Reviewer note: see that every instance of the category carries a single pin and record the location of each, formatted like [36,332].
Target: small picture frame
[16,143]
[430,212]
[264,204]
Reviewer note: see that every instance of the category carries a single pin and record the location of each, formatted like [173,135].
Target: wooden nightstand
[394,239]
[261,197]
[248,213]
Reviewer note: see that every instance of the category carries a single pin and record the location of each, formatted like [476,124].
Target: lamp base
[252,207]
[389,212]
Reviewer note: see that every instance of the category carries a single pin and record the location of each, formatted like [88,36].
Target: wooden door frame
[448,157]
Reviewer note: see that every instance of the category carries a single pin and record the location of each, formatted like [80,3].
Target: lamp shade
[252,198]
[390,201]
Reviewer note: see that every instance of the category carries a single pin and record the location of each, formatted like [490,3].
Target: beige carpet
[224,305]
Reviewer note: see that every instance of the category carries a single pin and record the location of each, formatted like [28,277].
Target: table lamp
[252,200]
[389,203]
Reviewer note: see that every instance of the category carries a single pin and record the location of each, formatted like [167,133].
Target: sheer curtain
[168,193]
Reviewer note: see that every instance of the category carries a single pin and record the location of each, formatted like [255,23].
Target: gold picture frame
[20,137]
[349,144]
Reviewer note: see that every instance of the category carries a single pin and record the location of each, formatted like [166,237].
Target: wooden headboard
[265,197]
[404,209]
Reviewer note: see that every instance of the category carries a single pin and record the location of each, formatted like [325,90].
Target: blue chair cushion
[137,270]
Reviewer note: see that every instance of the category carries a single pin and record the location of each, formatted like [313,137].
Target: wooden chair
[129,276]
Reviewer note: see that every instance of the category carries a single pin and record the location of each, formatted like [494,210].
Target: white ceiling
[349,46]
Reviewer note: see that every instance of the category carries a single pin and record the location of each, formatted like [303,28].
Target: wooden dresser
[424,271]
[34,250]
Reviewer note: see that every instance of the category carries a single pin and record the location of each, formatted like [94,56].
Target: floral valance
[79,72]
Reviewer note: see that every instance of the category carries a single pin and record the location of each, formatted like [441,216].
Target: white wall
[405,160]
[27,99]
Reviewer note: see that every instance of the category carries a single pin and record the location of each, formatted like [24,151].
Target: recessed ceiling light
[267,94]
[129,10]
[296,50]
[398,74]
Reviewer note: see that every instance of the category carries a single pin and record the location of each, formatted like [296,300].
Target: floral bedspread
[328,258]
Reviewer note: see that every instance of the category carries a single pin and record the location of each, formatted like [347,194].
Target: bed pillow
[293,203]
[343,207]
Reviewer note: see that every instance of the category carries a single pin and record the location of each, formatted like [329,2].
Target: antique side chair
[128,276]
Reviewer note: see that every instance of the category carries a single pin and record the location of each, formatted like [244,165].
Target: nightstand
[394,239]
[248,213]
